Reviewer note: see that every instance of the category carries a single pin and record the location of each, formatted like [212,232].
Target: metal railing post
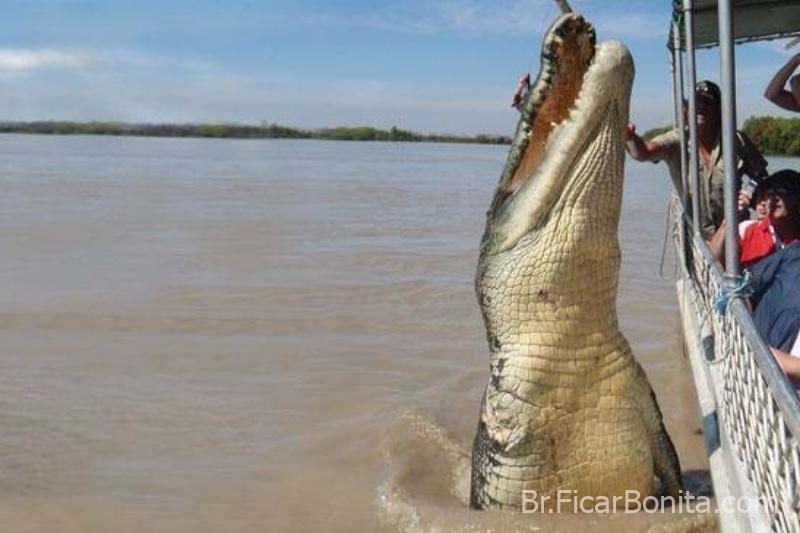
[688,18]
[680,117]
[728,79]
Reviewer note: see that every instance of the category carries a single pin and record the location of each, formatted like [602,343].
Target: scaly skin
[567,407]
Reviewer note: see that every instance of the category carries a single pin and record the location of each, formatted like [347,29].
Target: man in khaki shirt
[666,147]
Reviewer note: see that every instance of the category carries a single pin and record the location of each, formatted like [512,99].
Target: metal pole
[680,118]
[673,60]
[564,5]
[728,79]
[693,144]
[680,125]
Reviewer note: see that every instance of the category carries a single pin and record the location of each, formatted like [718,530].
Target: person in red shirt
[780,227]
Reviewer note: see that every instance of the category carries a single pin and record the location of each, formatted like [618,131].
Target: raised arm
[717,244]
[642,150]
[776,92]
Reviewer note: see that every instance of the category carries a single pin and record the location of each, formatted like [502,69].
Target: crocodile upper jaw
[576,87]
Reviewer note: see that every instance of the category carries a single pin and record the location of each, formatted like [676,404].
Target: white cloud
[16,60]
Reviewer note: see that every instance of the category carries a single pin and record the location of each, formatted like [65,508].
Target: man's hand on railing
[637,147]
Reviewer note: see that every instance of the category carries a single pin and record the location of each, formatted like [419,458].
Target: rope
[739,289]
[564,5]
[670,207]
[677,12]
[677,20]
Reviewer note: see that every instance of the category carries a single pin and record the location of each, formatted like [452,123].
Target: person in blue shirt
[775,281]
[775,284]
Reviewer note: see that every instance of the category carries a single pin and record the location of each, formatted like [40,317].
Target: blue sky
[428,65]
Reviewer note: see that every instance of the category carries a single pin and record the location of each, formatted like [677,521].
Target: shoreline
[240,131]
[772,135]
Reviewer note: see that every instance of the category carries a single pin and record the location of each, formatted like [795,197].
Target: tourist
[779,228]
[776,90]
[775,282]
[666,147]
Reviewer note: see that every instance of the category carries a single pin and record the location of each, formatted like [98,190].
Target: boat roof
[753,20]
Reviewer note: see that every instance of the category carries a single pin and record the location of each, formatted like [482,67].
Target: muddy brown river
[211,335]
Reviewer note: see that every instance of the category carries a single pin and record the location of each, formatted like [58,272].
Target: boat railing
[751,413]
[756,406]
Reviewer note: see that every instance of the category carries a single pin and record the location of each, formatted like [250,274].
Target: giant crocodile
[567,407]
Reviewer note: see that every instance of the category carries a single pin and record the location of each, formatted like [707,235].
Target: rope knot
[736,287]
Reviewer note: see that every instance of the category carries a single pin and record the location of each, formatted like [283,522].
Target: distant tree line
[241,131]
[772,135]
[649,134]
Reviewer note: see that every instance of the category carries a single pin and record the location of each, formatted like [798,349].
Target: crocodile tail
[666,464]
[480,454]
